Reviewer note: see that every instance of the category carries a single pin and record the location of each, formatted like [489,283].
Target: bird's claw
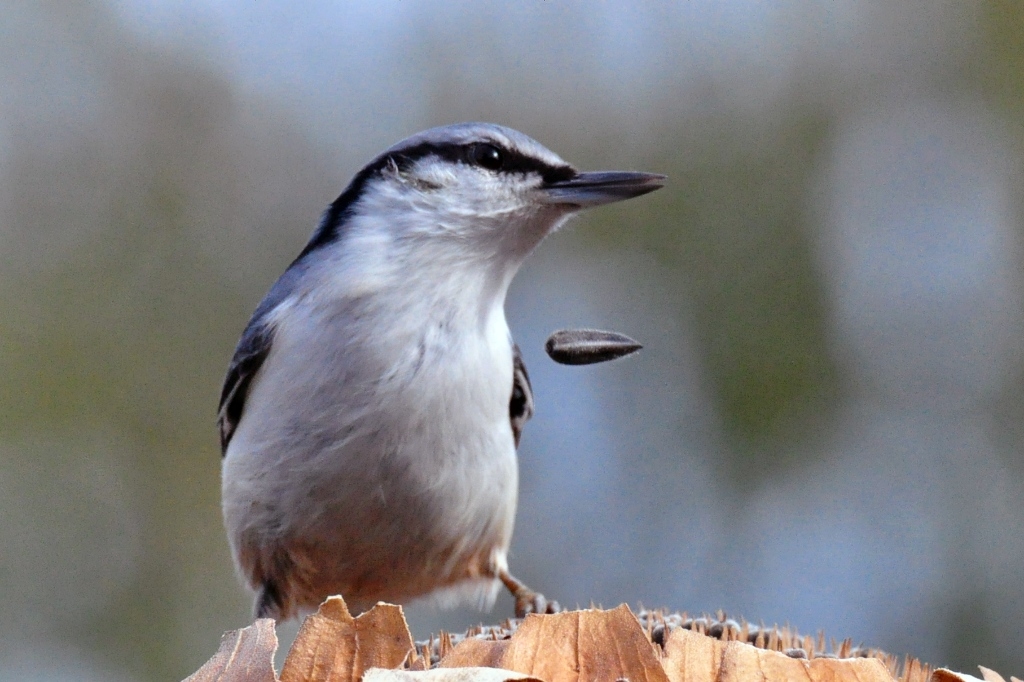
[529,602]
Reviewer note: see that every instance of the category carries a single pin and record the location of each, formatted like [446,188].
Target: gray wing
[252,350]
[520,405]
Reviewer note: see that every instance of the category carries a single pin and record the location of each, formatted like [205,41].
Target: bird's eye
[487,156]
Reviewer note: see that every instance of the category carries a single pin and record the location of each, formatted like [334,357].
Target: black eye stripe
[512,160]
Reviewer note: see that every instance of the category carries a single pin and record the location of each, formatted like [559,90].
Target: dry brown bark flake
[332,646]
[245,655]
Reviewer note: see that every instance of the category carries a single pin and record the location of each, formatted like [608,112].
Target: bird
[371,413]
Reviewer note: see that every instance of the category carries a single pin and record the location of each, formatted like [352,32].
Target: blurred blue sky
[369,63]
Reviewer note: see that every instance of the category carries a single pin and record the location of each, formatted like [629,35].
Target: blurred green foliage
[739,234]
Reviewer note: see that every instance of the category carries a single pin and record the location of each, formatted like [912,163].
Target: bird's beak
[601,187]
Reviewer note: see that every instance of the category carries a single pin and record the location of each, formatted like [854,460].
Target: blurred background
[825,427]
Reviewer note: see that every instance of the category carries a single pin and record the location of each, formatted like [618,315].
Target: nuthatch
[371,413]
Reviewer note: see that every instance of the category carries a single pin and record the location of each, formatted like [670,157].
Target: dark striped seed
[588,346]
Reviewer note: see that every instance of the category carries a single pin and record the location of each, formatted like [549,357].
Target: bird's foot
[527,600]
[534,602]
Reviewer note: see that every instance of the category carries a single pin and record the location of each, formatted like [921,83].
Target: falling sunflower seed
[588,346]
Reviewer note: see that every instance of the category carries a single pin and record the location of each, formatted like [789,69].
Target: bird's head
[471,192]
